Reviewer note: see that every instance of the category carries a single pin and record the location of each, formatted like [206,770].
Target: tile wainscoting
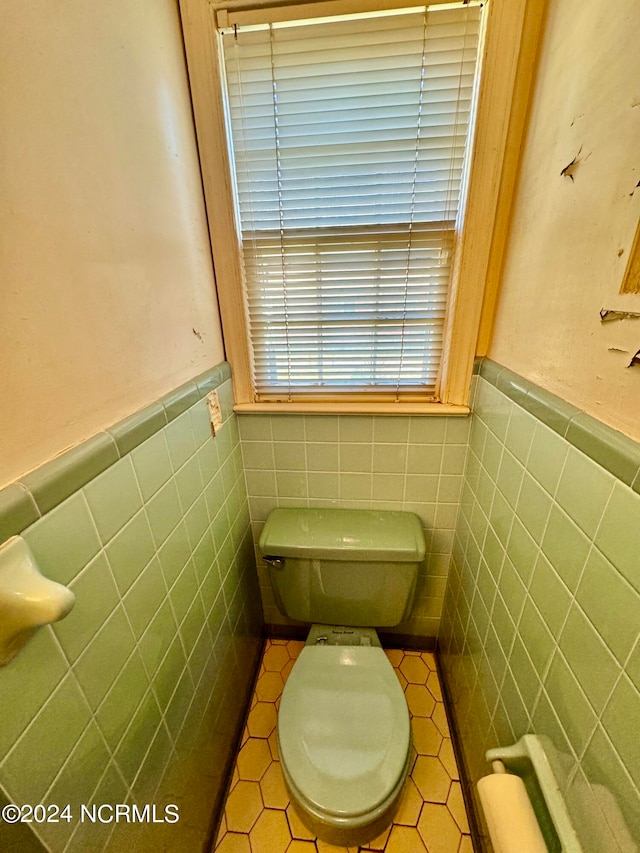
[532,514]
[138,696]
[361,462]
[542,614]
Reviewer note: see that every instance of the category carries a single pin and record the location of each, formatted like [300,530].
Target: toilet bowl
[344,737]
[344,730]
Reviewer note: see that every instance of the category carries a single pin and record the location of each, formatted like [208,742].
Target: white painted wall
[105,265]
[562,264]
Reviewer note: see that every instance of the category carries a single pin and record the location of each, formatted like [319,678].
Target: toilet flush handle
[273,562]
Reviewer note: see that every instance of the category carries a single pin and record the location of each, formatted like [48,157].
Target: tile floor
[258,816]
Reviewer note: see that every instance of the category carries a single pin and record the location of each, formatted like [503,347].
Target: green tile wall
[531,511]
[136,696]
[363,461]
[542,612]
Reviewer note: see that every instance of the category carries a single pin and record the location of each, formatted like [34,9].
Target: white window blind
[349,138]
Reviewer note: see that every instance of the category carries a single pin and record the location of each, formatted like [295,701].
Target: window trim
[508,60]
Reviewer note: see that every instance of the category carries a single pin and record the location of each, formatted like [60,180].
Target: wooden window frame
[508,60]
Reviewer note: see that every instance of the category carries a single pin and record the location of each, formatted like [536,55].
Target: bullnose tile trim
[61,477]
[612,450]
[135,429]
[18,510]
[178,401]
[618,453]
[211,379]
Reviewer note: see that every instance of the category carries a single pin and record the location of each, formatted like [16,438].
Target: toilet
[344,733]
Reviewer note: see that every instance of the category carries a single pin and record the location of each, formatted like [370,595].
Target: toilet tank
[343,566]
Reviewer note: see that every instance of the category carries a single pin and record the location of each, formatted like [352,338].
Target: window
[349,137]
[336,208]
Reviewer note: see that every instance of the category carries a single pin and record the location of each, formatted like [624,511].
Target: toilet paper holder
[27,599]
[528,762]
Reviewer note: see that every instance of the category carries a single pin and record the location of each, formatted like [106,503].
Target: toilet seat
[344,732]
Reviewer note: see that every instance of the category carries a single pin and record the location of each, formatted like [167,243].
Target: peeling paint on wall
[607,315]
[571,167]
[635,360]
[631,278]
[561,264]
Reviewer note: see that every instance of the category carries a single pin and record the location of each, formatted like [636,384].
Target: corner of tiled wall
[136,696]
[408,463]
[542,614]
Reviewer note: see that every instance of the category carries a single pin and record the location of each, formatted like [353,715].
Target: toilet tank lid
[334,534]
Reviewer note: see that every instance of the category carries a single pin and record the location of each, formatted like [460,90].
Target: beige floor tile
[455,804]
[380,841]
[275,658]
[419,699]
[438,829]
[395,656]
[221,829]
[431,779]
[294,647]
[270,833]
[262,719]
[426,737]
[244,804]
[301,847]
[403,681]
[439,717]
[410,805]
[414,669]
[466,845]
[273,745]
[448,759]
[405,839]
[412,759]
[296,826]
[253,759]
[234,843]
[269,686]
[286,669]
[434,686]
[274,793]
[429,659]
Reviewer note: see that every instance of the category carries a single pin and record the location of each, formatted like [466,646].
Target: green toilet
[344,732]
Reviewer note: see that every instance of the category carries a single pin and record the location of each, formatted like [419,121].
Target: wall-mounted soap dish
[27,599]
